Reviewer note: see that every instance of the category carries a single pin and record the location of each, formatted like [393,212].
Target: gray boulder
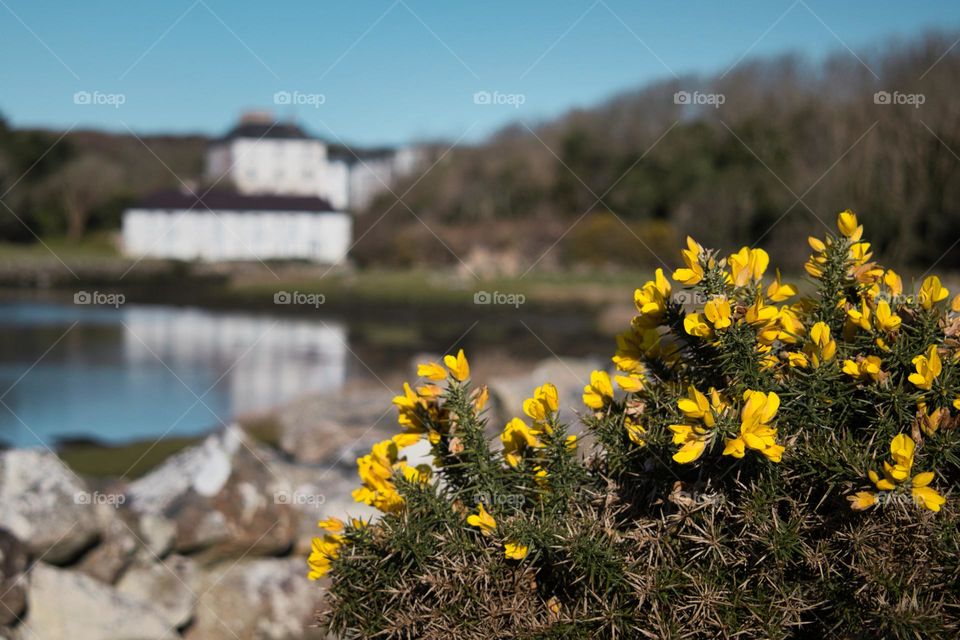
[110,557]
[315,429]
[13,564]
[68,604]
[169,586]
[221,497]
[46,505]
[265,599]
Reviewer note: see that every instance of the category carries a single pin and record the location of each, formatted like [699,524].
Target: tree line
[793,142]
[767,150]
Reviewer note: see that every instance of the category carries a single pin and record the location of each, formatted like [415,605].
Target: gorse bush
[762,465]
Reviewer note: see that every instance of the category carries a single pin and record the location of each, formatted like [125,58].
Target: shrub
[770,466]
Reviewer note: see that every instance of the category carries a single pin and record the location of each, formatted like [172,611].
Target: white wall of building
[279,166]
[301,166]
[338,182]
[237,235]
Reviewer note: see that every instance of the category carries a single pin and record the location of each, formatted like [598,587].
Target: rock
[14,558]
[221,496]
[46,505]
[110,557]
[264,599]
[67,604]
[157,534]
[170,587]
[316,428]
[316,492]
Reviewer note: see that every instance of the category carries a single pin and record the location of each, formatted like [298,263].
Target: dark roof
[353,154]
[267,130]
[231,201]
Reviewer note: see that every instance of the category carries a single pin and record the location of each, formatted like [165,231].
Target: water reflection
[132,373]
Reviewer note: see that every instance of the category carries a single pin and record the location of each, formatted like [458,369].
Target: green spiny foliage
[767,469]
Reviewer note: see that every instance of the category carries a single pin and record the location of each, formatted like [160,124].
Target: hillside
[793,142]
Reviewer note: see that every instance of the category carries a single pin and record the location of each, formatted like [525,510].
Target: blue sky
[390,71]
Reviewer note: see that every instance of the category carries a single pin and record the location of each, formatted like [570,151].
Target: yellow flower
[818,260]
[483,521]
[864,368]
[331,525]
[322,552]
[693,273]
[376,470]
[797,359]
[635,431]
[545,401]
[747,265]
[697,407]
[778,292]
[923,494]
[791,328]
[599,391]
[693,438]
[632,347]
[459,367]
[822,347]
[862,500]
[408,405]
[931,292]
[695,324]
[901,450]
[894,282]
[480,398]
[630,384]
[928,368]
[515,550]
[431,371]
[755,430]
[763,317]
[847,223]
[860,317]
[886,320]
[651,300]
[717,311]
[693,441]
[570,443]
[517,437]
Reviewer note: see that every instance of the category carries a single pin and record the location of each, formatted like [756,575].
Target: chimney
[257,116]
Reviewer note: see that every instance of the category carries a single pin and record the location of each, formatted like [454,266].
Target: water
[144,372]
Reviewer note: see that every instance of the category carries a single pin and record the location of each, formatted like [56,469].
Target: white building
[289,200]
[260,155]
[230,226]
